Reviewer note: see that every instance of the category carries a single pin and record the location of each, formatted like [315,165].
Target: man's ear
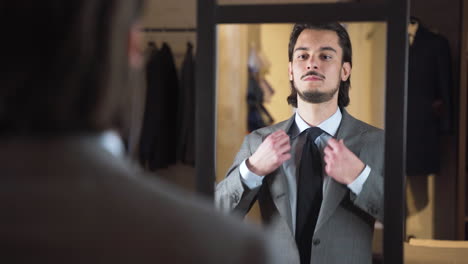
[135,56]
[290,71]
[345,71]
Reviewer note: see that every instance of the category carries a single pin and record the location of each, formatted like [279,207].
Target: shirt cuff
[249,178]
[356,185]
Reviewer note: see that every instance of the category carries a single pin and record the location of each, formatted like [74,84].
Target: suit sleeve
[231,195]
[371,197]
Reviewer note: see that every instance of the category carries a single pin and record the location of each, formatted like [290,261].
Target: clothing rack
[168,29]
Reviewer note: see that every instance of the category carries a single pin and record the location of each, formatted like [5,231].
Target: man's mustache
[313,73]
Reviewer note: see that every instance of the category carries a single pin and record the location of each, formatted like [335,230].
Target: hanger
[412,29]
[414,20]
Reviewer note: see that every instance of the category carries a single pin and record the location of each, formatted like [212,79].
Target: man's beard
[316,97]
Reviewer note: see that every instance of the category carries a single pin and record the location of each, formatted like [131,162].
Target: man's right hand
[273,151]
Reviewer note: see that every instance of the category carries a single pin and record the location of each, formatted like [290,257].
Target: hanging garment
[137,102]
[267,90]
[257,61]
[146,141]
[258,116]
[429,100]
[159,133]
[186,139]
[259,90]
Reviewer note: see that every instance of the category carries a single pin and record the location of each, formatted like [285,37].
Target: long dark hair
[345,44]
[65,64]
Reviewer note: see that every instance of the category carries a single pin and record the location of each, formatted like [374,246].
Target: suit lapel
[278,190]
[277,182]
[335,192]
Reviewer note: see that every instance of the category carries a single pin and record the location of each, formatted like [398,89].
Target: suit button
[316,242]
[372,209]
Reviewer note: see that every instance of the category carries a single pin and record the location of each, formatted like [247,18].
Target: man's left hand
[340,163]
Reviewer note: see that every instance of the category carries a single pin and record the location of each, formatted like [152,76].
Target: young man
[319,190]
[63,197]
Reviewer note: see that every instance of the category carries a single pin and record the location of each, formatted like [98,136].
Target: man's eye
[302,56]
[326,57]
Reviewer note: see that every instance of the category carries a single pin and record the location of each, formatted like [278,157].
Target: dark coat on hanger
[159,133]
[429,100]
[186,140]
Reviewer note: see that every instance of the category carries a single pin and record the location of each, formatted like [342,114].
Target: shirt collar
[330,125]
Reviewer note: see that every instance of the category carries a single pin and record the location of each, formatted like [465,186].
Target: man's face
[316,68]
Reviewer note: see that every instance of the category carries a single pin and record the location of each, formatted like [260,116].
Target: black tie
[309,194]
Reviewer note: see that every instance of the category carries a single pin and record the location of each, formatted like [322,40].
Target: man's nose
[312,63]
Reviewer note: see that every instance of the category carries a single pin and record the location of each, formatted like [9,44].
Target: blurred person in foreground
[63,197]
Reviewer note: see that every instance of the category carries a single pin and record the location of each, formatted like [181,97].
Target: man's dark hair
[345,44]
[64,64]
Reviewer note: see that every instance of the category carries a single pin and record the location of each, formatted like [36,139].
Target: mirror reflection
[261,176]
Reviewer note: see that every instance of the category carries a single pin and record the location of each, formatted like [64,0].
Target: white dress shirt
[330,127]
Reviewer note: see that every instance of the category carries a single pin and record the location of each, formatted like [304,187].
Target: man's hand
[341,164]
[273,151]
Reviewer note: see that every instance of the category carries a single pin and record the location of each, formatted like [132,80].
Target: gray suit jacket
[67,200]
[344,229]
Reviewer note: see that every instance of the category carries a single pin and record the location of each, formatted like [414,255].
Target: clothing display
[258,115]
[167,134]
[259,91]
[429,100]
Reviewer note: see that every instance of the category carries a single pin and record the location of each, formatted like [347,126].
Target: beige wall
[275,39]
[367,91]
[173,13]
[231,82]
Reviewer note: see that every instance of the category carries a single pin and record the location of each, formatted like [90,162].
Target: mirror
[267,2]
[265,48]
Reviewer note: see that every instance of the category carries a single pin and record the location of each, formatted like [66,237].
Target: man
[63,197]
[331,219]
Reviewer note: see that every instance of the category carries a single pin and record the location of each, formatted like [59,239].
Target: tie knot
[313,133]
